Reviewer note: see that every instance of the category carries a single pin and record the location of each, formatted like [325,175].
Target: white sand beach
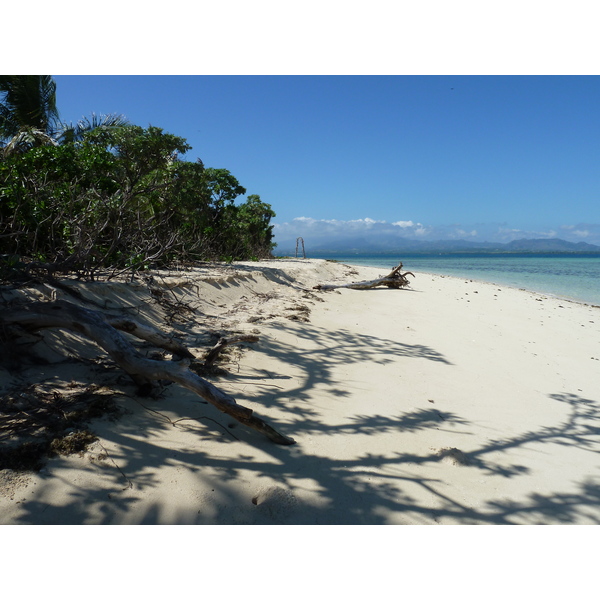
[448,402]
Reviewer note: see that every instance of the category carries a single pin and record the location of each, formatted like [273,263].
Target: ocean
[570,276]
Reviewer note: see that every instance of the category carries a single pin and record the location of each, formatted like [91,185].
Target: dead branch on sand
[214,352]
[103,330]
[394,280]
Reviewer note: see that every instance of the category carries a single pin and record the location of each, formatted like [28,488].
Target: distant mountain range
[393,244]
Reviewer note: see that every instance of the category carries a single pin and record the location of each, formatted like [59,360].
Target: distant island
[393,245]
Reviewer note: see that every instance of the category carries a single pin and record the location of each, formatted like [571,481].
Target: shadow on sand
[365,489]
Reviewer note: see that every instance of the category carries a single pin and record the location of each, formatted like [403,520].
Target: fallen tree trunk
[148,334]
[394,280]
[102,330]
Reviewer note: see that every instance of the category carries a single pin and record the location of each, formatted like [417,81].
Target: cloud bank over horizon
[371,231]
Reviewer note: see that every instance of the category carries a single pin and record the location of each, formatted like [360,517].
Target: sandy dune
[450,402]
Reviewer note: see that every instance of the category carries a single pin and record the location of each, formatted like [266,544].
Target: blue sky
[484,158]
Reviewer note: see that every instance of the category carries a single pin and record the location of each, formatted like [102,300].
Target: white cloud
[367,221]
[463,233]
[508,234]
[581,233]
[371,231]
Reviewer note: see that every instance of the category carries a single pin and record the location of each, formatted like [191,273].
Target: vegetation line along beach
[103,196]
[160,366]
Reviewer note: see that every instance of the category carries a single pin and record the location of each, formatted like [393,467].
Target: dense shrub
[120,197]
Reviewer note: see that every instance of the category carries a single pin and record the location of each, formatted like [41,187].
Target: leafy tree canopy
[121,197]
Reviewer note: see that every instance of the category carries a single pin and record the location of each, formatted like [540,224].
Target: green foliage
[75,132]
[28,101]
[119,197]
[29,116]
[103,194]
[253,219]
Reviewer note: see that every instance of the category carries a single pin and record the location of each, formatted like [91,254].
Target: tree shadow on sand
[318,353]
[367,489]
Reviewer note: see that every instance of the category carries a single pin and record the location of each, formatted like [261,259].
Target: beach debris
[299,312]
[104,331]
[214,352]
[394,280]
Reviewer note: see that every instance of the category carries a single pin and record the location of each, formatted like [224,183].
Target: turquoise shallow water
[575,277]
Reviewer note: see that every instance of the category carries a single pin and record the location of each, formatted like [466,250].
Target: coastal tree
[105,196]
[28,104]
[29,116]
[122,198]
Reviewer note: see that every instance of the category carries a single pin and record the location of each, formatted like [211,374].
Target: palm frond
[27,101]
[26,138]
[75,133]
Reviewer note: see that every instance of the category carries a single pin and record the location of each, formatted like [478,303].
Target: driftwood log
[394,280]
[103,330]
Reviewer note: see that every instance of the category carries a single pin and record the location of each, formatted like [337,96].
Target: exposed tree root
[103,331]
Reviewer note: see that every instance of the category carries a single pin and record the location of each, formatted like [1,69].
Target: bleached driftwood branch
[103,331]
[395,280]
[148,334]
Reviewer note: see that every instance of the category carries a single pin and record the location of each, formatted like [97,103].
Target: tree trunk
[394,280]
[103,331]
